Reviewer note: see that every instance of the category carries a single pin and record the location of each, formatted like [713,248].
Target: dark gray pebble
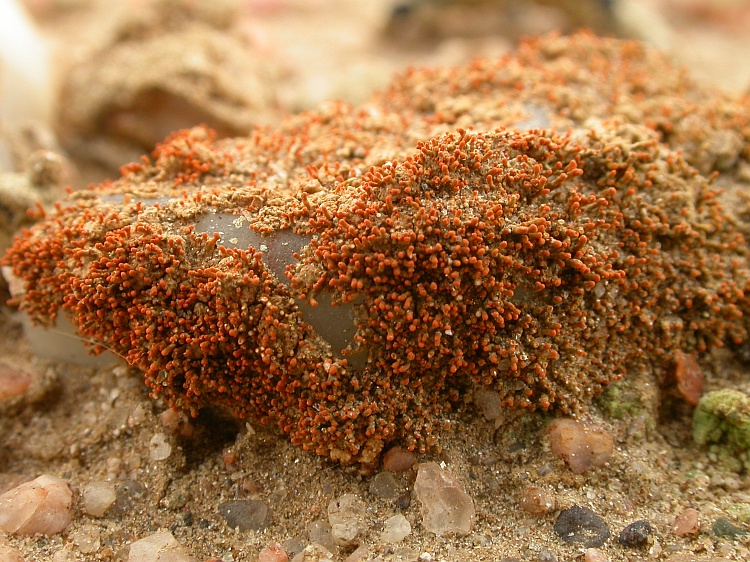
[723,527]
[580,525]
[636,534]
[246,515]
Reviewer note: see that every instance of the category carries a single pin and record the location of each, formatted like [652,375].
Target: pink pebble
[582,449]
[274,552]
[41,506]
[398,459]
[686,523]
[12,382]
[595,555]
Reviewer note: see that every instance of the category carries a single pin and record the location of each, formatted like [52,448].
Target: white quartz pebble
[159,547]
[98,497]
[446,507]
[395,529]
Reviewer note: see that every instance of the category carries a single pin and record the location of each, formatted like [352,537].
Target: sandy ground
[92,424]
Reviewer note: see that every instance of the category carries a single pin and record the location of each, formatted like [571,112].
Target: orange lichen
[541,265]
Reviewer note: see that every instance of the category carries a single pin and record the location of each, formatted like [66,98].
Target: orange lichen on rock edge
[539,264]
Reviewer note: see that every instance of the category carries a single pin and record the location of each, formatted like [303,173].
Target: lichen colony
[541,226]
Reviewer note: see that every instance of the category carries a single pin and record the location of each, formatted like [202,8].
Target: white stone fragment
[159,448]
[345,515]
[395,529]
[98,497]
[446,507]
[41,506]
[314,553]
[159,547]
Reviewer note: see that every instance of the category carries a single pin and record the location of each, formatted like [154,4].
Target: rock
[686,523]
[398,459]
[384,486]
[722,417]
[274,552]
[159,547]
[10,554]
[360,553]
[314,553]
[536,500]
[723,527]
[689,377]
[98,497]
[403,501]
[594,555]
[580,525]
[582,449]
[159,448]
[246,515]
[294,546]
[636,534]
[41,506]
[129,493]
[345,515]
[490,403]
[396,529]
[446,507]
[13,382]
[319,532]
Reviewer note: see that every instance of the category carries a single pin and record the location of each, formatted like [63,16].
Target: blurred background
[88,85]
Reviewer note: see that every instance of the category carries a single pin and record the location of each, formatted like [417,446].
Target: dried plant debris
[534,226]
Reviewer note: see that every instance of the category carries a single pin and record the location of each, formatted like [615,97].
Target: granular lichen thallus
[536,225]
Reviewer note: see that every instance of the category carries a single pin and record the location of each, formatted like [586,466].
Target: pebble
[723,527]
[689,377]
[396,529]
[159,448]
[41,506]
[10,554]
[345,515]
[403,501]
[582,449]
[360,553]
[159,547]
[274,552]
[13,382]
[446,507]
[246,515]
[595,555]
[293,546]
[398,459]
[636,534]
[128,493]
[686,523]
[313,553]
[98,497]
[536,500]
[384,486]
[320,533]
[490,403]
[580,525]
[177,422]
